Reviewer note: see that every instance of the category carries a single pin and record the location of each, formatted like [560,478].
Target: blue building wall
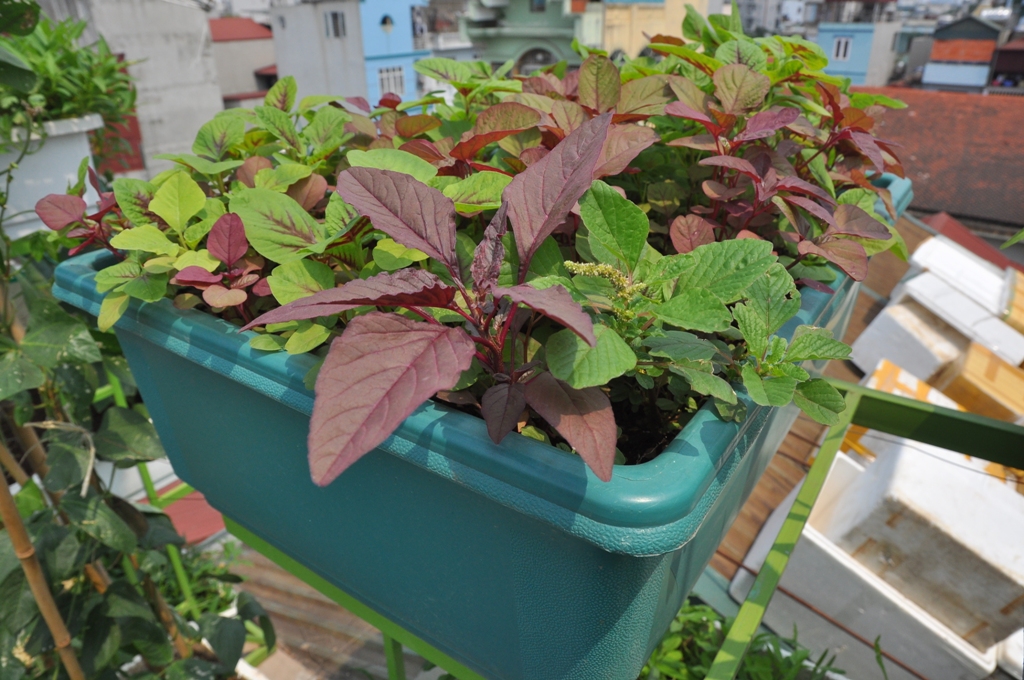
[855,66]
[392,48]
[955,75]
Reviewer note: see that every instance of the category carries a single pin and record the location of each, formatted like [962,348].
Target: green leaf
[18,373]
[127,436]
[772,391]
[706,383]
[148,287]
[92,516]
[742,52]
[29,499]
[392,159]
[818,399]
[282,96]
[1016,238]
[391,256]
[67,466]
[307,338]
[117,275]
[338,216]
[299,279]
[15,73]
[815,344]
[197,258]
[548,261]
[277,227]
[281,177]
[695,309]
[326,133]
[772,300]
[740,88]
[133,197]
[820,173]
[200,165]
[177,201]
[249,609]
[280,125]
[573,361]
[616,222]
[226,636]
[480,191]
[121,600]
[147,239]
[100,643]
[112,308]
[61,337]
[725,268]
[599,84]
[315,100]
[267,342]
[17,605]
[217,136]
[680,346]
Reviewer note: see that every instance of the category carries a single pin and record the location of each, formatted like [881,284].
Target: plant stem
[26,553]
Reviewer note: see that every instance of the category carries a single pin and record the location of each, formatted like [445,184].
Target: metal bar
[175,494]
[182,577]
[744,628]
[967,433]
[389,629]
[395,658]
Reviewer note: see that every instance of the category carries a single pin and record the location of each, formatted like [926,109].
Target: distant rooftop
[962,151]
[227,29]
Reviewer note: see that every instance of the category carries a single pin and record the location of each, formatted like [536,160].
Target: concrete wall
[409,76]
[521,31]
[625,23]
[320,64]
[174,69]
[237,60]
[389,48]
[883,54]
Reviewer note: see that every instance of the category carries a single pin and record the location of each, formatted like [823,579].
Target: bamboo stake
[11,465]
[163,612]
[26,552]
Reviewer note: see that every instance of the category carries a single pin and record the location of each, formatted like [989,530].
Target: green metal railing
[966,433]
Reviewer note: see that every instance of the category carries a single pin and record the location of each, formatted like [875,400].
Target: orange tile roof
[963,50]
[964,152]
[238,28]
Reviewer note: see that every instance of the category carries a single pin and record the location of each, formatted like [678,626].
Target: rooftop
[962,151]
[227,29]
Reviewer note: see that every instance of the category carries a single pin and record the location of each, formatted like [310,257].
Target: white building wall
[321,64]
[237,60]
[883,54]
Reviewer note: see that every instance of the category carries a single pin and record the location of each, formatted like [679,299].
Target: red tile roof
[964,152]
[238,28]
[267,70]
[963,50]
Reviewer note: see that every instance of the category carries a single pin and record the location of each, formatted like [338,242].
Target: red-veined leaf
[376,374]
[847,255]
[541,197]
[854,221]
[505,117]
[584,417]
[308,191]
[621,146]
[699,142]
[59,210]
[814,285]
[403,288]
[865,143]
[720,192]
[246,172]
[533,154]
[568,116]
[798,186]
[413,126]
[689,231]
[262,288]
[219,296]
[555,303]
[682,110]
[741,166]
[644,96]
[424,149]
[501,407]
[767,122]
[857,118]
[360,103]
[195,276]
[490,252]
[245,281]
[599,84]
[740,88]
[410,212]
[813,208]
[389,101]
[227,241]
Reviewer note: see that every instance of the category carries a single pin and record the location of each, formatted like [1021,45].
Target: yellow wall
[626,24]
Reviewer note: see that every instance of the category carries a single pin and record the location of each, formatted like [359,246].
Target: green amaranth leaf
[616,222]
[818,399]
[573,361]
[394,160]
[326,133]
[177,201]
[706,383]
[133,197]
[277,227]
[695,309]
[480,191]
[391,256]
[725,268]
[282,95]
[147,239]
[281,177]
[112,308]
[680,346]
[772,300]
[742,52]
[771,391]
[309,336]
[148,287]
[217,136]
[280,124]
[810,343]
[299,279]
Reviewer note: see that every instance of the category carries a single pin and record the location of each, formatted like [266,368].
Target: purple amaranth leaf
[246,173]
[815,285]
[403,288]
[555,303]
[59,210]
[227,241]
[541,197]
[195,276]
[219,296]
[733,163]
[494,124]
[584,417]
[767,122]
[410,212]
[798,186]
[813,208]
[689,231]
[682,110]
[490,252]
[262,288]
[309,191]
[865,143]
[855,221]
[501,407]
[376,374]
[847,255]
[621,146]
[360,103]
[720,192]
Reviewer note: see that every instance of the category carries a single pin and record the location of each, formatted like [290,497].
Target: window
[392,79]
[334,24]
[387,23]
[280,20]
[538,5]
[841,49]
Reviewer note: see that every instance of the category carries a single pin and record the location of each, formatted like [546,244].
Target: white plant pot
[50,168]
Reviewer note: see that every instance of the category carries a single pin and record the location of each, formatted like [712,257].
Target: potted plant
[67,93]
[643,265]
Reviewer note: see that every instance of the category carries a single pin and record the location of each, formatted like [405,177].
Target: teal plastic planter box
[514,560]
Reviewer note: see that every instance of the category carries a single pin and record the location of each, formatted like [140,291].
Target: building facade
[389,47]
[244,53]
[961,58]
[863,52]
